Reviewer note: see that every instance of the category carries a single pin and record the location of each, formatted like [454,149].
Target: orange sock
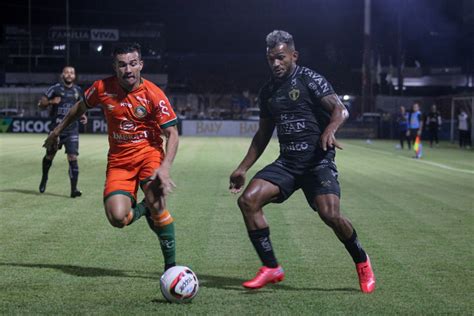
[162,219]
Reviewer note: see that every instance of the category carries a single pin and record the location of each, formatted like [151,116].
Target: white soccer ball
[179,284]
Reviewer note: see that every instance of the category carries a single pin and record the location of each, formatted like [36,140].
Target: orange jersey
[135,119]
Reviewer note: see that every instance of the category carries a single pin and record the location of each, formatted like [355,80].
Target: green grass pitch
[415,218]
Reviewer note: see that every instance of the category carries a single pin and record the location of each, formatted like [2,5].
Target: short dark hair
[68,66]
[280,37]
[127,48]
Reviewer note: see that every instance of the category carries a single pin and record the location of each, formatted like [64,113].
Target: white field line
[431,163]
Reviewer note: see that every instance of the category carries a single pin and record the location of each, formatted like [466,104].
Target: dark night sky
[432,29]
[328,33]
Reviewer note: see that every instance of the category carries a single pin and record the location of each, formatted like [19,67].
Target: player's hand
[328,140]
[51,143]
[237,181]
[55,101]
[155,196]
[163,180]
[408,133]
[418,133]
[83,119]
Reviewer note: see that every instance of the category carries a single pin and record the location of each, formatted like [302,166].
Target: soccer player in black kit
[306,112]
[433,122]
[60,98]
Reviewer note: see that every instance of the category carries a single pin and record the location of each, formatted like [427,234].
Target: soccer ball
[179,284]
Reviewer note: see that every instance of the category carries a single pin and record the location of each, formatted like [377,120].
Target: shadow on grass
[79,271]
[229,283]
[205,280]
[33,192]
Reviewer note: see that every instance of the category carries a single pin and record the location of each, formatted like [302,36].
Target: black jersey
[69,97]
[294,105]
[433,120]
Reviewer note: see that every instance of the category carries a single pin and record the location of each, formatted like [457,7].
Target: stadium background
[210,58]
[58,256]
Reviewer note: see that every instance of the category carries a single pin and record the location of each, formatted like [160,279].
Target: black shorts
[70,141]
[317,180]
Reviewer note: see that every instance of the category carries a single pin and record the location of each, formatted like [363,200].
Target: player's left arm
[339,115]
[162,174]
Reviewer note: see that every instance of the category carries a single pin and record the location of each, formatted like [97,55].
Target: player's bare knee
[117,217]
[247,203]
[331,217]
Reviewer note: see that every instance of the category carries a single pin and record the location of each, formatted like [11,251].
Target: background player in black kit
[60,98]
[306,112]
[433,122]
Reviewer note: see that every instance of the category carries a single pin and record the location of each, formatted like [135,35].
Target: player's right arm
[44,102]
[257,147]
[50,97]
[74,114]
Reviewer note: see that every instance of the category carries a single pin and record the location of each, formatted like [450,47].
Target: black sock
[73,174]
[46,165]
[355,249]
[261,241]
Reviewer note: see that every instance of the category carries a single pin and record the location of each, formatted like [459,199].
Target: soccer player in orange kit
[137,113]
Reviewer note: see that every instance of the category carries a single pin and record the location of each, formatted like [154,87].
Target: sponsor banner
[189,127]
[219,128]
[83,34]
[104,35]
[42,125]
[249,128]
[96,126]
[24,125]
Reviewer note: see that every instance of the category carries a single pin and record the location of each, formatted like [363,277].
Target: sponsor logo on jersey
[140,111]
[133,138]
[288,128]
[127,125]
[312,86]
[125,104]
[280,99]
[294,147]
[110,107]
[326,183]
[142,100]
[107,94]
[164,108]
[294,94]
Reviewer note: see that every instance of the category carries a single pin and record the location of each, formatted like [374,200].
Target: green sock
[167,241]
[138,211]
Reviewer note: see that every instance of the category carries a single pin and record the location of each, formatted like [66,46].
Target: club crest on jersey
[294,94]
[140,111]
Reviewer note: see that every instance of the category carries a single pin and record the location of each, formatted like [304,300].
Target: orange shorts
[125,173]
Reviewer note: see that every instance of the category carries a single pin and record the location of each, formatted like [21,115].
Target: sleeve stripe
[87,104]
[169,123]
